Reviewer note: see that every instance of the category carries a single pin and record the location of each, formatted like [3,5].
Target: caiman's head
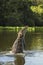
[22,32]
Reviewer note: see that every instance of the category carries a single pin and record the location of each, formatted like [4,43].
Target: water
[33,53]
[32,58]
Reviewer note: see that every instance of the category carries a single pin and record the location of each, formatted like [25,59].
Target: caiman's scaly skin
[19,43]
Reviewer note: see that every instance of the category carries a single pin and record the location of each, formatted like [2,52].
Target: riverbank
[30,29]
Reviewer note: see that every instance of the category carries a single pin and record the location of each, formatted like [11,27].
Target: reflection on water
[19,60]
[34,41]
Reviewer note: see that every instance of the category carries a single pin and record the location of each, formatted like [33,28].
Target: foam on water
[6,59]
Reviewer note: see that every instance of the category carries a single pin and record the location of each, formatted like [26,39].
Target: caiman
[19,43]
